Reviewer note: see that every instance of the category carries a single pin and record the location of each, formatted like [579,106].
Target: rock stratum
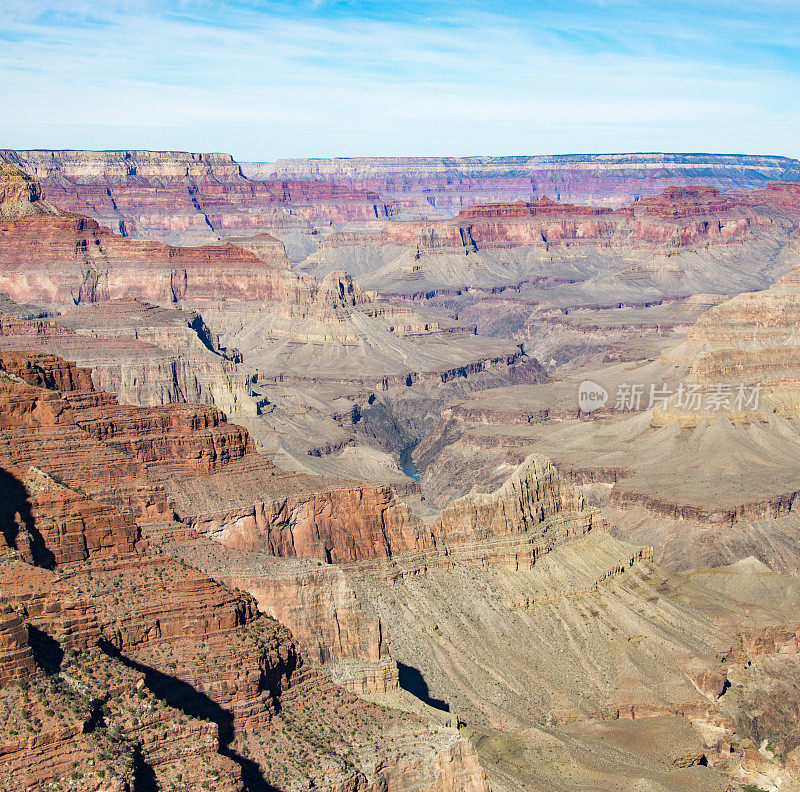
[184,197]
[704,479]
[120,666]
[450,184]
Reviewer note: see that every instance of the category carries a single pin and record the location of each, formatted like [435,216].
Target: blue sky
[263,80]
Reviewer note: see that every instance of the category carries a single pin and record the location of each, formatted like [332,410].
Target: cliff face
[80,262]
[121,667]
[20,194]
[184,197]
[534,506]
[680,216]
[447,185]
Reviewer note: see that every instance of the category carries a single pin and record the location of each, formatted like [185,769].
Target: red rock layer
[16,657]
[678,216]
[533,509]
[509,225]
[89,442]
[78,261]
[777,195]
[46,371]
[145,647]
[183,436]
[544,206]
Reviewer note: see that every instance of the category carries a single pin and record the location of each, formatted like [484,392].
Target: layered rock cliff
[20,194]
[183,197]
[679,216]
[146,354]
[533,509]
[448,184]
[120,667]
[80,262]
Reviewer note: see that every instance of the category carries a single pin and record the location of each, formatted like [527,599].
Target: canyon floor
[298,491]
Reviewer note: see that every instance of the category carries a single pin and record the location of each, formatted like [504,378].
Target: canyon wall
[121,666]
[678,216]
[447,185]
[185,197]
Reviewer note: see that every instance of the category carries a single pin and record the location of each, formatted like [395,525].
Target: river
[407,462]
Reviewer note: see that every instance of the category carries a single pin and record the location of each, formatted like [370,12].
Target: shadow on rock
[182,696]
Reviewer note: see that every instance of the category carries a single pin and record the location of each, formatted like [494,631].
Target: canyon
[215,569]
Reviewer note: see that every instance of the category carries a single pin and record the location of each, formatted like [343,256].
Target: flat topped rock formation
[724,216]
[505,266]
[442,186]
[185,198]
[527,209]
[77,261]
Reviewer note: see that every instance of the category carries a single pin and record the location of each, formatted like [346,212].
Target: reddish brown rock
[16,657]
[178,195]
[78,261]
[47,371]
[138,645]
[680,216]
[184,436]
[535,506]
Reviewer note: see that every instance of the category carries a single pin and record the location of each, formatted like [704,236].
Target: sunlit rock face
[185,198]
[444,186]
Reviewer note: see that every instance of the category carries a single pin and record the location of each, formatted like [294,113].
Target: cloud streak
[342,78]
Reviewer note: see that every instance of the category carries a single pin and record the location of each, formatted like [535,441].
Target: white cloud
[264,85]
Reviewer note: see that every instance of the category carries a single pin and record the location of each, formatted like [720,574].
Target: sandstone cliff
[679,216]
[183,197]
[20,195]
[120,667]
[440,186]
[535,507]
